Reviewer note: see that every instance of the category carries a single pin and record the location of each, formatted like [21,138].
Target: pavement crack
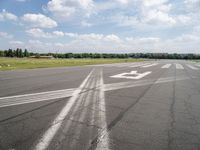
[102,134]
[84,123]
[172,116]
[29,111]
[188,108]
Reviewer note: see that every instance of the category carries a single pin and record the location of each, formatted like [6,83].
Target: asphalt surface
[134,106]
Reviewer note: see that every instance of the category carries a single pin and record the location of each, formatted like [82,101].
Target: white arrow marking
[132,75]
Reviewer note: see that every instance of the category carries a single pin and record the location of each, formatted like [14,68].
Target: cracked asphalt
[101,114]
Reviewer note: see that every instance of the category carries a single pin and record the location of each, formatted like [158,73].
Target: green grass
[28,63]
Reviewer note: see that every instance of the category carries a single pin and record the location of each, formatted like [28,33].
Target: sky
[103,26]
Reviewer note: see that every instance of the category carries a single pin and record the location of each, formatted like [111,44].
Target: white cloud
[34,42]
[4,15]
[38,33]
[192,2]
[16,44]
[91,36]
[123,20]
[85,24]
[150,13]
[143,40]
[153,19]
[165,7]
[187,38]
[112,43]
[112,38]
[5,35]
[21,0]
[184,19]
[72,35]
[150,3]
[58,33]
[159,17]
[196,29]
[67,8]
[59,45]
[39,20]
[157,12]
[123,1]
[91,40]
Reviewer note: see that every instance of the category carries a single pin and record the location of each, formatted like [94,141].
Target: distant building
[42,57]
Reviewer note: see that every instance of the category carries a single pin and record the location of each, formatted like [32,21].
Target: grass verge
[28,63]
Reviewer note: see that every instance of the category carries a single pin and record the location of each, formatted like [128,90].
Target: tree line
[25,53]
[14,53]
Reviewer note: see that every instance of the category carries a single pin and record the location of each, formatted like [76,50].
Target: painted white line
[131,75]
[134,66]
[103,140]
[95,98]
[123,65]
[198,65]
[192,67]
[36,97]
[35,94]
[68,125]
[166,66]
[87,97]
[122,85]
[138,65]
[151,65]
[56,124]
[179,66]
[129,64]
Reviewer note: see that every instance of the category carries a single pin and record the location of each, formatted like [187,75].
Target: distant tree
[10,53]
[68,55]
[77,55]
[21,53]
[17,52]
[26,53]
[1,53]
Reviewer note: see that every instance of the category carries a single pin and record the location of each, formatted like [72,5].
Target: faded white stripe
[117,86]
[36,97]
[179,66]
[104,140]
[139,65]
[166,66]
[192,67]
[198,65]
[151,65]
[56,124]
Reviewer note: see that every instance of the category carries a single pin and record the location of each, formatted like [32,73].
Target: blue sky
[101,25]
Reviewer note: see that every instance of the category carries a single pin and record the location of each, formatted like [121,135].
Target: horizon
[29,51]
[100,26]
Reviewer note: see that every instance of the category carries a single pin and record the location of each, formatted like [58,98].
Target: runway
[151,105]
